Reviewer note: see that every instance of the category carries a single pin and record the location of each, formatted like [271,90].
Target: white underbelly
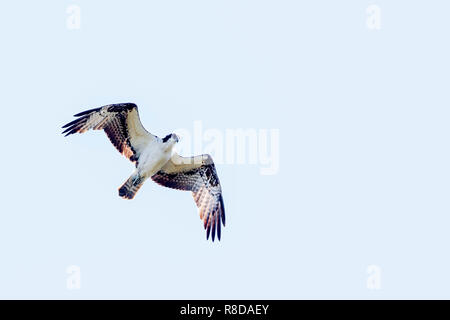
[152,162]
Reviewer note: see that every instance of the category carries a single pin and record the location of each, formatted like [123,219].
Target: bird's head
[173,138]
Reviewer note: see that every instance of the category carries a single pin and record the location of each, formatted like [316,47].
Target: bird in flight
[154,158]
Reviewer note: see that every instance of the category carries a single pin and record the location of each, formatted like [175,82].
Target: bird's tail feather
[129,189]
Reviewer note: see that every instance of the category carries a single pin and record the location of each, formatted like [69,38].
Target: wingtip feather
[208,231]
[213,227]
[87,112]
[219,229]
[222,206]
[74,122]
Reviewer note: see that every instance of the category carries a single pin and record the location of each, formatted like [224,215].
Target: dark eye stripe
[166,138]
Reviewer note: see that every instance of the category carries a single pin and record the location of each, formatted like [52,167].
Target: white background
[364,161]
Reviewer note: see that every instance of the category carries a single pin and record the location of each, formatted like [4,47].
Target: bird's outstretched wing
[197,174]
[122,125]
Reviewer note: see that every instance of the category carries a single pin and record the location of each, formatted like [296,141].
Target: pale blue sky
[364,161]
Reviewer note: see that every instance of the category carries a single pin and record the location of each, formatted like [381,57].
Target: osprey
[154,158]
